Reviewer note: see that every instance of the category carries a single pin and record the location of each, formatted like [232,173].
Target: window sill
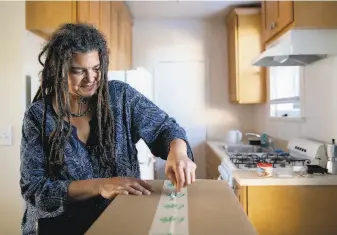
[286,119]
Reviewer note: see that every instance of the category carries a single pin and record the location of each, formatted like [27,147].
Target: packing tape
[171,217]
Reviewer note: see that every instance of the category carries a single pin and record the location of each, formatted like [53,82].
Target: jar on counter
[265,169]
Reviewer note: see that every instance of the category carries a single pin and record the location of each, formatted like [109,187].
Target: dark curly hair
[67,40]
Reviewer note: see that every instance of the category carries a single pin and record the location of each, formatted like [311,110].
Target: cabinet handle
[272,26]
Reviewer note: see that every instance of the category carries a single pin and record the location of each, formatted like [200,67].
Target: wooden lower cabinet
[290,210]
[212,163]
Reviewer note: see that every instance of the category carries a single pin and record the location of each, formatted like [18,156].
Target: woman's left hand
[180,169]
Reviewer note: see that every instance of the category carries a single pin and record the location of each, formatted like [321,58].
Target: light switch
[5,135]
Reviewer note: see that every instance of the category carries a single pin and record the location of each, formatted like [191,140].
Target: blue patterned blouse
[135,117]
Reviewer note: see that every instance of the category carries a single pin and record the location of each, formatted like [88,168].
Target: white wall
[12,30]
[320,96]
[19,49]
[192,40]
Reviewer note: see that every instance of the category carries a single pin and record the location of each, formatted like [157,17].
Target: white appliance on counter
[141,80]
[302,152]
[234,137]
[299,47]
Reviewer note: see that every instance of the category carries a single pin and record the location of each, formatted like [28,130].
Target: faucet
[253,134]
[270,140]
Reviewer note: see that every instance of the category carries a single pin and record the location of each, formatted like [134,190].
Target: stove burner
[278,160]
[252,165]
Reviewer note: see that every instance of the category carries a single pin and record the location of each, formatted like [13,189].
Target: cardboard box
[207,207]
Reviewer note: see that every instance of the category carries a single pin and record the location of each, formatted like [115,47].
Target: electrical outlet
[5,135]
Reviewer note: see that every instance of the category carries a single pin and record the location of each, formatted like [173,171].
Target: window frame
[301,97]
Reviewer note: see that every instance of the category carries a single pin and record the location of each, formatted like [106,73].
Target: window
[285,96]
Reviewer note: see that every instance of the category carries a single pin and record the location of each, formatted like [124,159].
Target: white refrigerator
[142,81]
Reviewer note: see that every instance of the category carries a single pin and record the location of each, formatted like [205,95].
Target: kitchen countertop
[216,147]
[250,178]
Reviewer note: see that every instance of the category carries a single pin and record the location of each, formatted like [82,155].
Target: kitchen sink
[243,148]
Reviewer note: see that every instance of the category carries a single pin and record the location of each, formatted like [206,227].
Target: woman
[78,137]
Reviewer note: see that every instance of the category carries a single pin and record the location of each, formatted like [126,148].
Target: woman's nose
[91,76]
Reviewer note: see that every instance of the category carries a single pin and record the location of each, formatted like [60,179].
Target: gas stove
[301,152]
[249,161]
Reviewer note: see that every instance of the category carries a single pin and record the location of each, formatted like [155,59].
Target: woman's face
[84,74]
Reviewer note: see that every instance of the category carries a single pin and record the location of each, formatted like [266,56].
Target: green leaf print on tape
[170,185]
[176,195]
[172,205]
[172,219]
[179,195]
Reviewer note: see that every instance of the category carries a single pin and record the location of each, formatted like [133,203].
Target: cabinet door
[212,163]
[124,38]
[276,15]
[89,12]
[122,27]
[303,210]
[285,15]
[105,23]
[232,59]
[250,79]
[43,17]
[269,18]
[241,194]
[114,50]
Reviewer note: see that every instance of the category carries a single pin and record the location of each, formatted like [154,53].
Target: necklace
[81,114]
[82,100]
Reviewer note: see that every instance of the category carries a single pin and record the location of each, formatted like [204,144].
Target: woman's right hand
[111,187]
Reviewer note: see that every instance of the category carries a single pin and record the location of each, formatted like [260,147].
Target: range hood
[299,47]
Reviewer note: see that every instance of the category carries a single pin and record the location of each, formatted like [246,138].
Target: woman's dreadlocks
[67,40]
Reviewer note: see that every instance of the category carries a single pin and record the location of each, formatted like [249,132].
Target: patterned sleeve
[153,125]
[48,196]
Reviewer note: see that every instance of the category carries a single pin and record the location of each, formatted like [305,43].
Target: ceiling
[181,9]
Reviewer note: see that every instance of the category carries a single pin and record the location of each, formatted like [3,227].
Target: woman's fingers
[187,177]
[184,174]
[140,188]
[180,177]
[123,192]
[193,176]
[112,194]
[171,176]
[119,185]
[132,190]
[145,185]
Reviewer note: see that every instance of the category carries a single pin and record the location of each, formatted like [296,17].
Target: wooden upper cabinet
[246,83]
[90,12]
[112,18]
[232,57]
[276,15]
[43,17]
[128,45]
[280,16]
[114,47]
[124,37]
[105,27]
